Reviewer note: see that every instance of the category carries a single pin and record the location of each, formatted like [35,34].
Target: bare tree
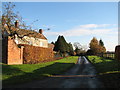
[80,49]
[84,47]
[9,17]
[77,45]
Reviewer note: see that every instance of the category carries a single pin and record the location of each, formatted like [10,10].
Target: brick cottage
[14,46]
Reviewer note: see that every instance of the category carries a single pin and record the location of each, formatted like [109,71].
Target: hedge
[35,54]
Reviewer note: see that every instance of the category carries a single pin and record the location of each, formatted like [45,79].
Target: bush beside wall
[34,54]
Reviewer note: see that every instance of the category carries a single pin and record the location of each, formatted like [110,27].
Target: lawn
[108,70]
[15,74]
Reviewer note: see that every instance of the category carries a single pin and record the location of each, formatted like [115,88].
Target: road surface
[82,75]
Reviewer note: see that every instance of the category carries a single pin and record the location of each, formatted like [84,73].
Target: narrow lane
[82,75]
[85,76]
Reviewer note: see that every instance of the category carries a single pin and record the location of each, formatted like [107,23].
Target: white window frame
[41,44]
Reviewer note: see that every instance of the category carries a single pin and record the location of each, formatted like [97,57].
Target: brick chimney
[16,24]
[40,31]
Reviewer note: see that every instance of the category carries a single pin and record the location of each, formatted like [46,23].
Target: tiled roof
[29,33]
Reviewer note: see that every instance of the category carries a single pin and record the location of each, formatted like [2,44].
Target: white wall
[32,41]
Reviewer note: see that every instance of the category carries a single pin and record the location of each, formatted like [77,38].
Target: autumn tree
[96,47]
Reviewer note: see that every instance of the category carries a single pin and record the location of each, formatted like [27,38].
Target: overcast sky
[76,21]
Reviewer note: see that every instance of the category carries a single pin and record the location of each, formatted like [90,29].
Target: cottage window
[41,43]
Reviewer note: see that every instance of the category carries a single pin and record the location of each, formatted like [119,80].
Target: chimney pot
[16,24]
[40,31]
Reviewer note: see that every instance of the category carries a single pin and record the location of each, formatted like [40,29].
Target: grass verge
[108,71]
[16,74]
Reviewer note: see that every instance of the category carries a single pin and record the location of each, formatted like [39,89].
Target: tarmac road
[82,75]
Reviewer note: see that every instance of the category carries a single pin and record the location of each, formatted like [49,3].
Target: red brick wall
[34,54]
[15,54]
[117,52]
[27,54]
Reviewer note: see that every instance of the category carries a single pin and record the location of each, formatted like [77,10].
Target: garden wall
[34,54]
[11,53]
[117,52]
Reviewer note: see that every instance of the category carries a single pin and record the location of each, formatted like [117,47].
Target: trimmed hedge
[34,54]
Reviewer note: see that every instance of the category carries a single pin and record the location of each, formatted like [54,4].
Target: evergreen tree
[65,44]
[101,42]
[52,43]
[71,51]
[102,48]
[61,45]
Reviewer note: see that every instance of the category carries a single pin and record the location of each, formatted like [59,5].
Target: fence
[110,55]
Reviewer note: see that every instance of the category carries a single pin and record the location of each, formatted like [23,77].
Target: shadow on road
[20,77]
[81,75]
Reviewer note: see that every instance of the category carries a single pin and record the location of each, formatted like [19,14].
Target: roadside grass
[15,74]
[108,70]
